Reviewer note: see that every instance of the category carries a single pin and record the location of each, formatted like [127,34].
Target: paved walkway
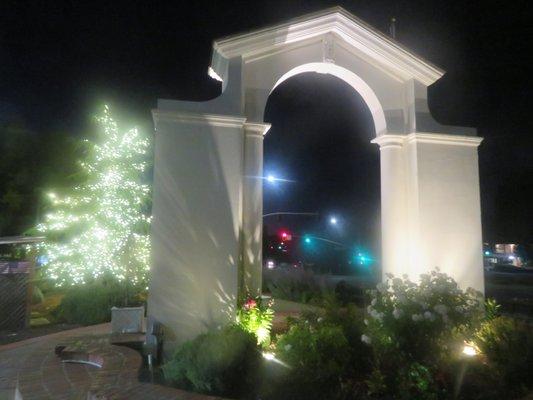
[30,370]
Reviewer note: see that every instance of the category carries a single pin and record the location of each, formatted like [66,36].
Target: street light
[273,179]
[333,221]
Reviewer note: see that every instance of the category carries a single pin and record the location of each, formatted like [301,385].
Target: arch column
[430,206]
[252,225]
[393,203]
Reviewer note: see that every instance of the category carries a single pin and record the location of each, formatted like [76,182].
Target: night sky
[60,61]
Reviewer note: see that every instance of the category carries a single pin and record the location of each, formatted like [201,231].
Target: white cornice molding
[360,36]
[256,128]
[392,140]
[389,140]
[440,138]
[198,118]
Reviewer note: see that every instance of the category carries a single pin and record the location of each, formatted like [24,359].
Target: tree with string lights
[101,226]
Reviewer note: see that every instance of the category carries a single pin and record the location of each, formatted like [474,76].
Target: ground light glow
[469,350]
[271,357]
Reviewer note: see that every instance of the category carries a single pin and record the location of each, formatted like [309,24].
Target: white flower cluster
[397,313]
[366,339]
[375,314]
[435,304]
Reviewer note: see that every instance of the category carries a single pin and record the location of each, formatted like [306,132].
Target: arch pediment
[392,79]
[334,27]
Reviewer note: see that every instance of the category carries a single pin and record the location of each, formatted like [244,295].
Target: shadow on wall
[195,232]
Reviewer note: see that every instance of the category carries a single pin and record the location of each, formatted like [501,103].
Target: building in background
[512,254]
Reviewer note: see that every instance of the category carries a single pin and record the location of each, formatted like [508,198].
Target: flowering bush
[414,328]
[256,317]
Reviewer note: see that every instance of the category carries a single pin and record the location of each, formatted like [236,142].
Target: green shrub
[492,309]
[508,346]
[256,317]
[223,362]
[414,331]
[322,356]
[299,286]
[91,303]
[317,356]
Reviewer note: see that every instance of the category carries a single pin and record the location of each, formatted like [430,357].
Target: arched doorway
[207,201]
[320,142]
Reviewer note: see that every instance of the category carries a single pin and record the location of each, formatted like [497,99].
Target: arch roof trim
[346,27]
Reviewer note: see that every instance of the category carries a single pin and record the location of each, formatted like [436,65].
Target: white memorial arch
[207,203]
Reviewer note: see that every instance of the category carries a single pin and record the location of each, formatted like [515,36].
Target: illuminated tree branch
[102,225]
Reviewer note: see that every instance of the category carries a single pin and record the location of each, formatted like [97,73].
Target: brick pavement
[31,370]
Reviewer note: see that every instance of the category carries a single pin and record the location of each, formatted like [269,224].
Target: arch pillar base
[252,218]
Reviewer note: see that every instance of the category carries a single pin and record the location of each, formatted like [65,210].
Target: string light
[102,225]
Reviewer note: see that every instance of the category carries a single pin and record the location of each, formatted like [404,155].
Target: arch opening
[319,143]
[358,84]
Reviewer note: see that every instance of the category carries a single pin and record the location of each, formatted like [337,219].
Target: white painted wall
[431,214]
[197,209]
[449,213]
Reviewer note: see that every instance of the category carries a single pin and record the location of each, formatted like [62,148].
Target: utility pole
[392,27]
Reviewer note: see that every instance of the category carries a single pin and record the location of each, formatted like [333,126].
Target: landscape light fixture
[469,351]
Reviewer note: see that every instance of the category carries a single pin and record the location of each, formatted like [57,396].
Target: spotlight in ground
[469,351]
[271,357]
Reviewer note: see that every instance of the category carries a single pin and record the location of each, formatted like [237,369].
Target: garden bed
[425,341]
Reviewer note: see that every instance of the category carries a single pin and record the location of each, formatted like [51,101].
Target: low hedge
[223,362]
[91,303]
